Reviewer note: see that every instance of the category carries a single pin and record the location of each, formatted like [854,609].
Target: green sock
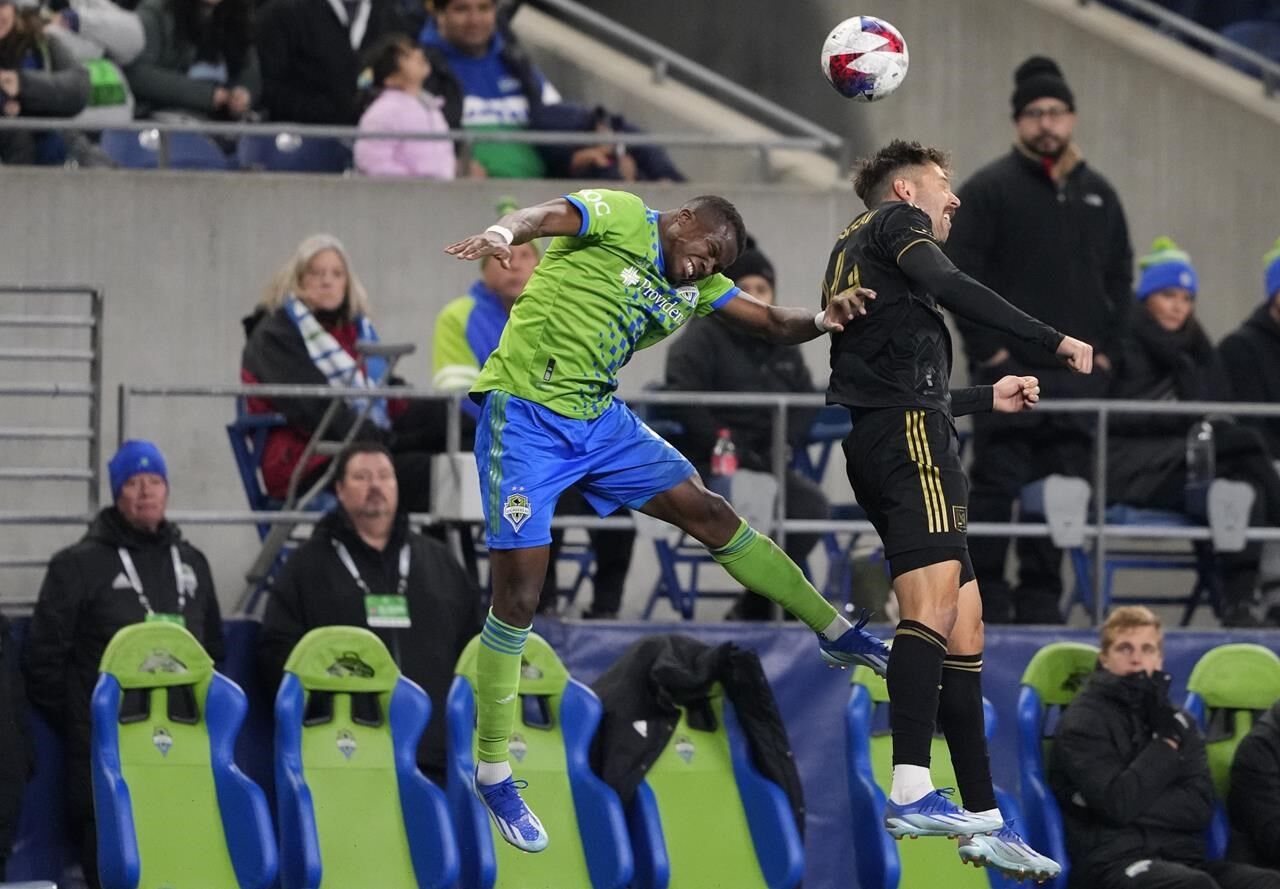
[755,561]
[497,681]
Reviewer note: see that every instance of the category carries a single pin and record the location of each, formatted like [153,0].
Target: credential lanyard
[135,581]
[344,556]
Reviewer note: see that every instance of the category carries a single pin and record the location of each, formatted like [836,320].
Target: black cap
[751,262]
[1037,78]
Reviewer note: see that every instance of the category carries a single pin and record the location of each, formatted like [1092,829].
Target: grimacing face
[930,190]
[694,248]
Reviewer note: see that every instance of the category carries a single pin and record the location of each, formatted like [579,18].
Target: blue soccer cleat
[934,815]
[856,646]
[515,821]
[1010,854]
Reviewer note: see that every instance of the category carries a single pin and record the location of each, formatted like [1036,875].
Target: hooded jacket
[1253,797]
[1124,794]
[86,598]
[315,589]
[1251,356]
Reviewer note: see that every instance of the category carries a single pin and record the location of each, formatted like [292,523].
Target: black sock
[915,672]
[962,721]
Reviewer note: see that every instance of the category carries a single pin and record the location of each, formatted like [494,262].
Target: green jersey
[595,298]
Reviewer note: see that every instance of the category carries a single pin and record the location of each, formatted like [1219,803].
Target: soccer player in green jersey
[618,277]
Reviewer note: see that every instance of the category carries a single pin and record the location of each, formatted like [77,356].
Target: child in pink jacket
[399,70]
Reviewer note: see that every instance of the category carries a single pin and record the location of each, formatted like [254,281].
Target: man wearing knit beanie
[1044,229]
[132,565]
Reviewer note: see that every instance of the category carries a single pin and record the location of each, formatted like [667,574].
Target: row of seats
[193,151]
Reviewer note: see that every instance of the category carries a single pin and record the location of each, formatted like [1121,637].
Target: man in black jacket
[1131,775]
[19,758]
[1045,230]
[1253,798]
[310,56]
[363,567]
[714,356]
[132,566]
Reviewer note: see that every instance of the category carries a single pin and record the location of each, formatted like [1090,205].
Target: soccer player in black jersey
[892,369]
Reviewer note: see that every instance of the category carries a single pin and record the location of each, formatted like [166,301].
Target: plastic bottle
[1201,468]
[724,463]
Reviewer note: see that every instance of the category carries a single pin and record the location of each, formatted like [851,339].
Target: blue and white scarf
[338,367]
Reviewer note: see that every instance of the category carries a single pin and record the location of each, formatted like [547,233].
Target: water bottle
[724,463]
[1200,467]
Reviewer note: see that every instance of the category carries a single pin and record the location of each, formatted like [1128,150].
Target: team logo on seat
[349,664]
[346,743]
[162,739]
[517,510]
[960,518]
[685,748]
[517,747]
[161,661]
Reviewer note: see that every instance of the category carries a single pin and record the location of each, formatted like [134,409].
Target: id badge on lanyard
[383,612]
[135,581]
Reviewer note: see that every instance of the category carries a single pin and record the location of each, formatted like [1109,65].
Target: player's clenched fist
[1078,354]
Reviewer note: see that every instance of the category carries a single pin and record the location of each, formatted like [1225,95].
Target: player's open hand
[481,245]
[1013,394]
[847,305]
[1078,354]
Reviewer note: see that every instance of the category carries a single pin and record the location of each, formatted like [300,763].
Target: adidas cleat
[934,815]
[856,646]
[515,821]
[1008,853]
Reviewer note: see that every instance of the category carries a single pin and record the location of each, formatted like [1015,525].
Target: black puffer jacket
[1251,356]
[1253,798]
[86,598]
[1125,795]
[15,741]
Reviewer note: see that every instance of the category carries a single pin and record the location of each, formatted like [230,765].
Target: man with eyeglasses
[1045,230]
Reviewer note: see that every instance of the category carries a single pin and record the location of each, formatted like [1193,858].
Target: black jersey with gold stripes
[899,353]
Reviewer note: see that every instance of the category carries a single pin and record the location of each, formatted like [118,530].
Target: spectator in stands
[487,83]
[714,356]
[310,52]
[1253,797]
[17,763]
[133,565]
[199,59]
[305,330]
[400,68]
[1251,353]
[1131,775]
[364,567]
[604,160]
[39,77]
[1043,228]
[94,29]
[1166,355]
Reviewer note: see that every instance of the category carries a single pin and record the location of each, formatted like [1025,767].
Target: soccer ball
[864,58]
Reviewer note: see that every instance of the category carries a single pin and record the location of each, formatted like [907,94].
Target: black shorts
[904,466]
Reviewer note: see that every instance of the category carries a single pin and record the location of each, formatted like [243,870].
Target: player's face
[1171,307]
[696,249]
[1045,126]
[324,282]
[757,286]
[468,24]
[368,489]
[509,283]
[1136,650]
[933,195]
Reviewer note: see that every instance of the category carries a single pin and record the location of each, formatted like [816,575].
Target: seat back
[555,725]
[247,435]
[286,152]
[172,808]
[354,809]
[751,840]
[829,427]
[881,863]
[141,150]
[1229,687]
[1051,681]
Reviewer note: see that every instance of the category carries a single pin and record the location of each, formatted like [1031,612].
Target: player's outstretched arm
[554,217]
[786,324]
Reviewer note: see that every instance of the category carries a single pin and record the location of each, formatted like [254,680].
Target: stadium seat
[172,807]
[752,842]
[1229,688]
[882,863]
[353,808]
[556,724]
[292,154]
[1050,683]
[1263,37]
[140,151]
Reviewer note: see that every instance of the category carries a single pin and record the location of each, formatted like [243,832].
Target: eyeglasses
[1041,113]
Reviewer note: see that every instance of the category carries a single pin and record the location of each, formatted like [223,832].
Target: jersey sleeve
[607,215]
[713,292]
[900,228]
[453,363]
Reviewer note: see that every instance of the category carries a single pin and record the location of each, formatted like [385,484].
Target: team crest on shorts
[960,518]
[517,510]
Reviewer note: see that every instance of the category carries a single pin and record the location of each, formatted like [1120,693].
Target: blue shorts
[528,455]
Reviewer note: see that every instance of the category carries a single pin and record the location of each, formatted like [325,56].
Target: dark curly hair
[873,175]
[714,208]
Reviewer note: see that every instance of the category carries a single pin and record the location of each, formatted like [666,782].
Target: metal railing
[1184,27]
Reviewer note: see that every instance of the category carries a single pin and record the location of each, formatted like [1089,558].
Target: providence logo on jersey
[666,300]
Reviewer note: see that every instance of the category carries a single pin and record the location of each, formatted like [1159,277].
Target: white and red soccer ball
[864,58]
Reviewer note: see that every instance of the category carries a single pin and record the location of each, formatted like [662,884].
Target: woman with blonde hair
[305,330]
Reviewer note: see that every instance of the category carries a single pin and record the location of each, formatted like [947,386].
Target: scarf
[338,367]
[1185,355]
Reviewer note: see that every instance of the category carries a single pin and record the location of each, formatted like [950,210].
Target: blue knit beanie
[135,456]
[1271,273]
[1165,266]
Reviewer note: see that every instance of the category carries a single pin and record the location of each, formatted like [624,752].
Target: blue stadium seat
[292,154]
[1263,37]
[140,151]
